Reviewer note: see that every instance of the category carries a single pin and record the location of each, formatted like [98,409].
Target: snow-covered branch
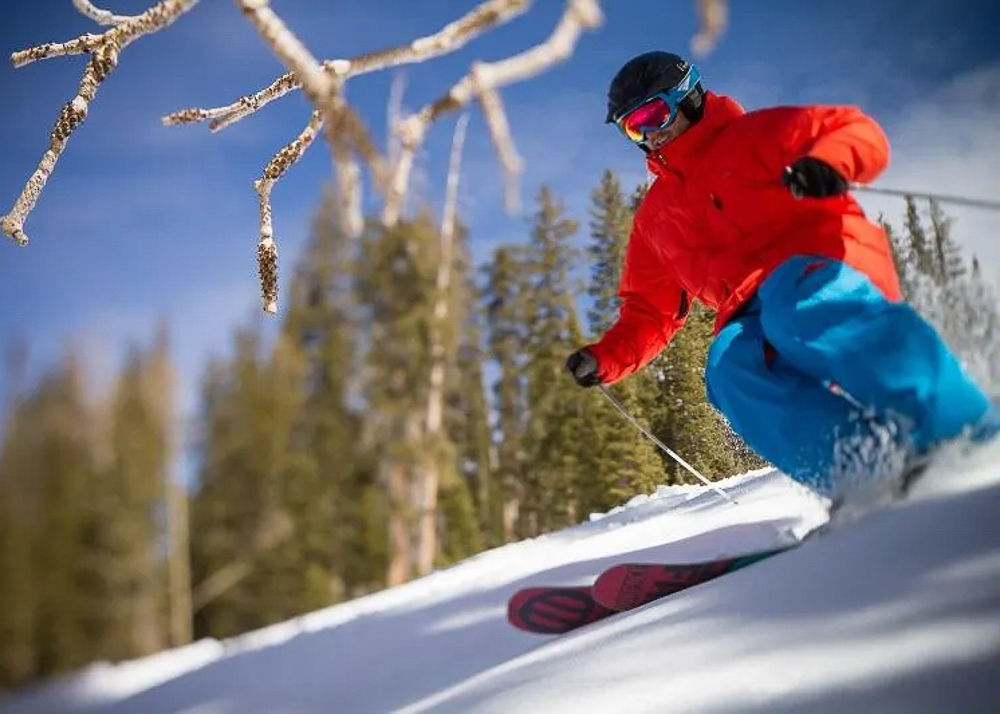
[104,50]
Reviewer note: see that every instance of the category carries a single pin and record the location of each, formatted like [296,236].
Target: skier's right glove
[810,177]
[582,364]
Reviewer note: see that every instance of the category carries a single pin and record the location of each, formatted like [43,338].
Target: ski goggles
[657,111]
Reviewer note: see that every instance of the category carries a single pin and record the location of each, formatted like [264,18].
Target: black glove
[583,366]
[814,178]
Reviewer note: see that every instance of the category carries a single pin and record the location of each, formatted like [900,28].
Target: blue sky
[141,221]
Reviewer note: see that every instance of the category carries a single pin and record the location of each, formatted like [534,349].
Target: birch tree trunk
[429,474]
[398,571]
[179,566]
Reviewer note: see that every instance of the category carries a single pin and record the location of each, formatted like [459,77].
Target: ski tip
[553,610]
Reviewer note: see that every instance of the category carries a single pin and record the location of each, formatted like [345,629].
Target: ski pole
[652,437]
[959,200]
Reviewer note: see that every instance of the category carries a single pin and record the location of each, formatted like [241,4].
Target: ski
[554,610]
[630,585]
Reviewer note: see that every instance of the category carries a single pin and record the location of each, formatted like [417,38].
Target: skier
[817,362]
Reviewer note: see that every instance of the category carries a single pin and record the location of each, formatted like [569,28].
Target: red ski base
[556,610]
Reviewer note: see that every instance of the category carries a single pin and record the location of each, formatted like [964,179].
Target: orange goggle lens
[650,116]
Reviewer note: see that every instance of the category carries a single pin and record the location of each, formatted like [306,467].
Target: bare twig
[449,218]
[104,50]
[317,85]
[80,45]
[496,120]
[481,82]
[345,131]
[267,250]
[713,16]
[451,37]
[242,107]
[394,110]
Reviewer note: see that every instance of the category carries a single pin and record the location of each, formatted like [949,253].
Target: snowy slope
[896,612]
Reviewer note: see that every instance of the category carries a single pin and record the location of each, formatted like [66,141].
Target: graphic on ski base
[554,610]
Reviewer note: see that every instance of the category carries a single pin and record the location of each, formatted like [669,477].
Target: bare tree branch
[346,134]
[451,37]
[101,17]
[267,250]
[449,216]
[481,82]
[713,16]
[317,85]
[80,45]
[510,160]
[394,110]
[104,50]
[349,140]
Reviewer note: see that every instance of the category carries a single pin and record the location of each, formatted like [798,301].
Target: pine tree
[81,493]
[900,255]
[622,462]
[468,418]
[59,459]
[123,528]
[555,410]
[326,487]
[948,290]
[20,512]
[239,515]
[685,420]
[396,289]
[950,263]
[610,223]
[505,297]
[920,246]
[468,515]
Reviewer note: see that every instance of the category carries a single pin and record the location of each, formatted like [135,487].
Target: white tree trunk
[430,472]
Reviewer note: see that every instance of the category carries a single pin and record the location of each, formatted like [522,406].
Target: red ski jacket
[717,219]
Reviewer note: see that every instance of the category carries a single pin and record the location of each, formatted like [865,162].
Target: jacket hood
[674,157]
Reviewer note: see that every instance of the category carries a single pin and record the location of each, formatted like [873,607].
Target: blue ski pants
[815,329]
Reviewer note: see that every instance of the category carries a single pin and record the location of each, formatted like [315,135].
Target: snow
[896,611]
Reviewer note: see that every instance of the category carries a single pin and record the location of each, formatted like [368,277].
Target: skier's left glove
[582,364]
[813,178]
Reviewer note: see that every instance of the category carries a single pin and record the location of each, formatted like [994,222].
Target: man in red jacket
[817,362]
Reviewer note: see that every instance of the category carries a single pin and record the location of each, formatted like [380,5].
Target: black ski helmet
[648,73]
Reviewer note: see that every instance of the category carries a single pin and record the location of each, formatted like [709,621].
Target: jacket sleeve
[845,138]
[652,310]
